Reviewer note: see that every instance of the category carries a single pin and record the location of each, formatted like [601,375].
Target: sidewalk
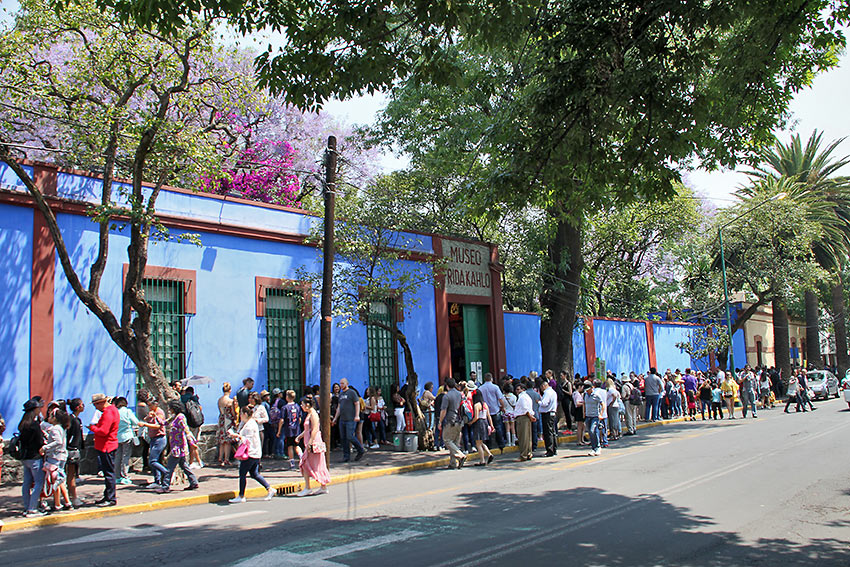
[218,484]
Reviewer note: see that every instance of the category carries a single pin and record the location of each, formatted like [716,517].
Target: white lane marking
[136,532]
[506,548]
[280,557]
[214,519]
[110,535]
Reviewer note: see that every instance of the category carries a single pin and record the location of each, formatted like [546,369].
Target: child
[716,402]
[692,405]
[290,427]
[510,404]
[55,455]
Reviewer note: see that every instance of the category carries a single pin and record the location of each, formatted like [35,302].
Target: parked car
[823,384]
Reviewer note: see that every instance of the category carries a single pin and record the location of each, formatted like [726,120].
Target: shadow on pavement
[580,525]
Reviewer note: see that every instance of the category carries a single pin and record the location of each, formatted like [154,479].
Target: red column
[497,318]
[441,312]
[41,304]
[589,344]
[650,345]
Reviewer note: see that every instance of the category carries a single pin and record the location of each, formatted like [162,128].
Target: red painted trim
[650,345]
[92,175]
[672,323]
[261,284]
[193,225]
[441,317]
[188,277]
[497,341]
[469,299]
[589,345]
[41,304]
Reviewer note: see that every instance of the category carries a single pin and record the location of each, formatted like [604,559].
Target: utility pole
[327,295]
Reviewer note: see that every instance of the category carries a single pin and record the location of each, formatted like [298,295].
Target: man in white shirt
[495,400]
[524,414]
[548,409]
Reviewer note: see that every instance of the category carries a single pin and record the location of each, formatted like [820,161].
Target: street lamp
[777,197]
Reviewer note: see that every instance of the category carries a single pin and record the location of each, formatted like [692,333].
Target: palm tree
[814,169]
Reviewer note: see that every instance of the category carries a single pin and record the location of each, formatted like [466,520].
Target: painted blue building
[232,307]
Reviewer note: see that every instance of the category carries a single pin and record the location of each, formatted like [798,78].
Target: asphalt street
[767,491]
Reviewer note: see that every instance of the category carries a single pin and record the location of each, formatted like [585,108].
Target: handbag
[318,446]
[241,452]
[375,417]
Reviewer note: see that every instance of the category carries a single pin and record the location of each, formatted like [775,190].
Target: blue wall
[622,344]
[579,352]
[667,354]
[522,343]
[225,340]
[15,292]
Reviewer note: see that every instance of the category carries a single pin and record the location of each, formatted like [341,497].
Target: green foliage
[342,47]
[768,241]
[114,96]
[630,255]
[712,338]
[370,263]
[814,169]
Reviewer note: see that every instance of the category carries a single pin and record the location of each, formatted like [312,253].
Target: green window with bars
[284,329]
[383,359]
[168,328]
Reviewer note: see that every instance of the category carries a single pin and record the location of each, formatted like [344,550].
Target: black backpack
[635,397]
[15,451]
[194,415]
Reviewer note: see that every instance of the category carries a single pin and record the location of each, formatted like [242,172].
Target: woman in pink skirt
[313,464]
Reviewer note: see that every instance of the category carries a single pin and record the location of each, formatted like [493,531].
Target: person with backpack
[55,455]
[28,447]
[179,439]
[634,400]
[450,423]
[194,419]
[289,428]
[271,439]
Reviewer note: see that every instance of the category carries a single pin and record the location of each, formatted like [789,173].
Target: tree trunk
[559,297]
[813,355]
[839,316]
[781,342]
[426,436]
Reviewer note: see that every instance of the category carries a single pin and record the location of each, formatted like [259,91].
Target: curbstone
[254,492]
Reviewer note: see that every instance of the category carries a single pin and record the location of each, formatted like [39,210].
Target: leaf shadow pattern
[580,525]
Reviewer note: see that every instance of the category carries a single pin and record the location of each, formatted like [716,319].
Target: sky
[823,107]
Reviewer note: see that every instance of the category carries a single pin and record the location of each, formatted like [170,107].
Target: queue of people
[465,416]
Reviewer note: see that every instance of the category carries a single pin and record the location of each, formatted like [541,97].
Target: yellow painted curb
[281,489]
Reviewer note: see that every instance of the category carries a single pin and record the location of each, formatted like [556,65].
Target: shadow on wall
[15,293]
[584,524]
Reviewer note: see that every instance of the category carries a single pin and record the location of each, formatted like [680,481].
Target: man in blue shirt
[495,400]
[594,400]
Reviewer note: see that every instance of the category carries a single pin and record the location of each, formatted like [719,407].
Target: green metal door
[383,359]
[167,327]
[283,338]
[475,341]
